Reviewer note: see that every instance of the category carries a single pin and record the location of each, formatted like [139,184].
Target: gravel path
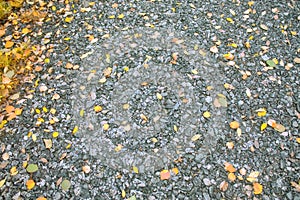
[136,88]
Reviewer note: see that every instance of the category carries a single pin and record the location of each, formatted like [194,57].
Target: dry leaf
[228,56]
[230,145]
[105,127]
[234,125]
[135,169]
[258,188]
[5,156]
[231,177]
[296,186]
[86,169]
[196,137]
[48,143]
[175,170]
[263,126]
[165,174]
[223,186]
[229,167]
[261,112]
[30,184]
[206,114]
[159,96]
[214,49]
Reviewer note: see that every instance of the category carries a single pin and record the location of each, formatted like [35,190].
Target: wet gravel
[201,164]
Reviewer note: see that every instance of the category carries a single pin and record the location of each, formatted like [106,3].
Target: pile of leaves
[17,55]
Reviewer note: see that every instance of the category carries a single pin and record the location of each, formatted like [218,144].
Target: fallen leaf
[230,145]
[55,134]
[105,127]
[31,168]
[263,126]
[135,169]
[271,63]
[214,49]
[229,167]
[48,143]
[69,19]
[280,128]
[253,176]
[5,156]
[86,169]
[228,56]
[41,198]
[223,186]
[123,194]
[297,60]
[264,27]
[159,96]
[231,177]
[296,186]
[258,188]
[165,174]
[261,112]
[30,184]
[196,137]
[206,114]
[2,182]
[55,96]
[234,125]
[65,185]
[14,171]
[175,170]
[75,130]
[97,108]
[9,44]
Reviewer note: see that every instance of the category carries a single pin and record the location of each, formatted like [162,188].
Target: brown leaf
[223,186]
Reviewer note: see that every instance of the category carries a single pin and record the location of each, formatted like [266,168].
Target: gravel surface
[158,70]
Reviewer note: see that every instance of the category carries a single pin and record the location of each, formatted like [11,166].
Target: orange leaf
[9,44]
[41,198]
[258,188]
[165,174]
[229,167]
[175,170]
[234,125]
[9,109]
[30,184]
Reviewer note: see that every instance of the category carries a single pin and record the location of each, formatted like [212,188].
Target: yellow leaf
[175,128]
[41,198]
[250,3]
[45,109]
[247,45]
[34,138]
[55,134]
[194,71]
[125,106]
[69,146]
[121,16]
[234,45]
[38,111]
[105,127]
[230,145]
[111,17]
[258,188]
[135,169]
[53,8]
[97,108]
[47,60]
[2,182]
[25,30]
[118,148]
[175,170]
[18,111]
[69,19]
[75,130]
[52,111]
[263,126]
[206,114]
[231,177]
[228,56]
[229,20]
[123,194]
[30,184]
[196,137]
[126,69]
[81,113]
[261,112]
[298,140]
[13,171]
[159,96]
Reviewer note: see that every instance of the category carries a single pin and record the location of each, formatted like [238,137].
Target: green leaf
[65,185]
[31,168]
[271,63]
[132,198]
